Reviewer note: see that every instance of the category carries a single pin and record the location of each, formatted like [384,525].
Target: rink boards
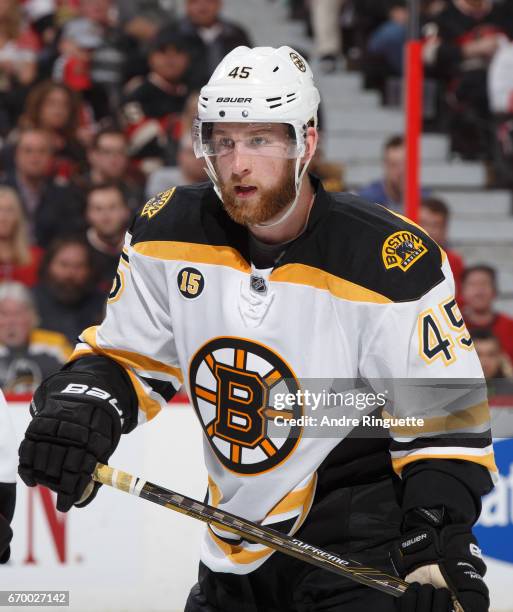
[122,553]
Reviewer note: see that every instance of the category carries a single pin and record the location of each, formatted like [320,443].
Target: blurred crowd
[97,98]
[468,62]
[467,50]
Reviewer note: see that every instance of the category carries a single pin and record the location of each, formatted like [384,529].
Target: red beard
[265,205]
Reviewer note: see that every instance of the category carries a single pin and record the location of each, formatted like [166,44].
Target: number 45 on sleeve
[440,333]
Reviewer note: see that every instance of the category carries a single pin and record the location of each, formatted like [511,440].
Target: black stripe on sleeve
[164,389]
[470,440]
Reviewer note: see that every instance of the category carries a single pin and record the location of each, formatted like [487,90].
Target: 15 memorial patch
[402,249]
[232,383]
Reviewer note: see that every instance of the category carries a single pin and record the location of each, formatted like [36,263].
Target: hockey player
[7,479]
[239,288]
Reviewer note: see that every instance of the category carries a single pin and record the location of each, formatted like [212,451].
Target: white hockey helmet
[260,85]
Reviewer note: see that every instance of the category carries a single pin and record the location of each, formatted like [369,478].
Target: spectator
[388,190]
[17,64]
[66,297]
[55,108]
[191,167]
[210,37]
[462,42]
[189,170]
[434,218]
[18,260]
[387,41]
[327,32]
[42,18]
[107,215]
[330,172]
[479,290]
[27,354]
[500,92]
[73,67]
[151,112]
[110,58]
[140,21]
[52,208]
[494,362]
[109,162]
[500,79]
[143,18]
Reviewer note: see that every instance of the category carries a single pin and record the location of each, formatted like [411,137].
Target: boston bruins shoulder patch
[157,203]
[402,249]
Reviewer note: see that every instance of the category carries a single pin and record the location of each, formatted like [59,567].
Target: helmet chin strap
[211,172]
[212,175]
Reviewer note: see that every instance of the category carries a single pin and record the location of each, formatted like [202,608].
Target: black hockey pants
[358,522]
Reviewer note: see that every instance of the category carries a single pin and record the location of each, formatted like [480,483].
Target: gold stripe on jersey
[215,492]
[486,460]
[129,359]
[307,504]
[459,421]
[149,406]
[194,253]
[300,500]
[295,499]
[238,554]
[319,279]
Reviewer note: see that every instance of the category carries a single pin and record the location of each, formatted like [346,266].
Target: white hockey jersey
[8,448]
[363,293]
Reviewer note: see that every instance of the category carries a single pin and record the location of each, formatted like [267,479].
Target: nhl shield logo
[258,284]
[402,249]
[157,203]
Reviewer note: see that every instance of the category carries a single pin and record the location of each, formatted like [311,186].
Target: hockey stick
[286,544]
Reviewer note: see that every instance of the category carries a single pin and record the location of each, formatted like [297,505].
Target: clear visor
[263,139]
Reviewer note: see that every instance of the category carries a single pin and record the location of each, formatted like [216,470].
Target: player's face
[255,187]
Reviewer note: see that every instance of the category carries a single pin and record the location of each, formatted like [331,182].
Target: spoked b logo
[232,381]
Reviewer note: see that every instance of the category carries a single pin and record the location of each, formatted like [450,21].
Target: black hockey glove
[76,423]
[442,555]
[5,539]
[425,598]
